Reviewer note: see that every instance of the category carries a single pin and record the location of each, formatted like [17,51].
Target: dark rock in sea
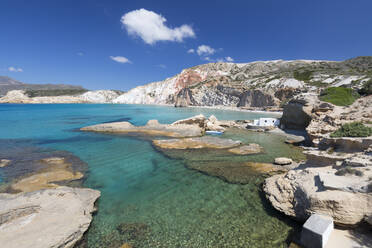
[133,231]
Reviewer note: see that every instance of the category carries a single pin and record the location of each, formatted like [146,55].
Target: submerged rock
[234,172]
[57,171]
[247,149]
[197,143]
[46,218]
[133,231]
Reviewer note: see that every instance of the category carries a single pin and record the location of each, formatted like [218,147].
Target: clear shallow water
[166,204]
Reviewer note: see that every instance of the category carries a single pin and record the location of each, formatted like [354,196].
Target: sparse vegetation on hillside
[367,88]
[339,96]
[302,75]
[354,129]
[55,92]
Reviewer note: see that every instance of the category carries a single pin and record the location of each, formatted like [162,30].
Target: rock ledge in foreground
[46,218]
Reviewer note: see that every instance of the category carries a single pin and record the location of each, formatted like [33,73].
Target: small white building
[266,122]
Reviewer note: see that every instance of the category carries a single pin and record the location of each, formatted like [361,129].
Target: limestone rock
[46,218]
[153,128]
[197,120]
[297,114]
[300,193]
[283,161]
[99,96]
[197,143]
[184,98]
[358,160]
[213,124]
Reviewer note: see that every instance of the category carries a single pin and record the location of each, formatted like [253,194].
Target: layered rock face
[336,178]
[60,216]
[257,98]
[257,84]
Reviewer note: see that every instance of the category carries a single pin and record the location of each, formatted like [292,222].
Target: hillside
[256,84]
[7,84]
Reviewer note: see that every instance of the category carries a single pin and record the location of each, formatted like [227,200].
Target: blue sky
[107,44]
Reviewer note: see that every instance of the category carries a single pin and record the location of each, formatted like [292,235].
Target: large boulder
[195,120]
[257,98]
[300,193]
[297,114]
[46,218]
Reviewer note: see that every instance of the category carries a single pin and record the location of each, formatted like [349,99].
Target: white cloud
[191,50]
[226,59]
[13,69]
[120,59]
[80,54]
[229,59]
[162,66]
[205,50]
[151,28]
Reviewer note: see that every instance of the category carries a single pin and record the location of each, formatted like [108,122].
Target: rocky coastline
[335,179]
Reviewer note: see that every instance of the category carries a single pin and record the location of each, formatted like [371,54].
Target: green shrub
[367,88]
[339,96]
[349,170]
[302,75]
[354,129]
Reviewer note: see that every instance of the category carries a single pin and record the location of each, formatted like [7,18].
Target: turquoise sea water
[151,199]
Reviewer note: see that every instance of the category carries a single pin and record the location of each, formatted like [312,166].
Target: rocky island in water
[317,113]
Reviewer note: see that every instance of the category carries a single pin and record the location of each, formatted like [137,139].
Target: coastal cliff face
[256,84]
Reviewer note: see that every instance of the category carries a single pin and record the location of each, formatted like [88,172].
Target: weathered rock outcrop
[46,218]
[257,98]
[183,128]
[300,193]
[184,98]
[327,118]
[297,114]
